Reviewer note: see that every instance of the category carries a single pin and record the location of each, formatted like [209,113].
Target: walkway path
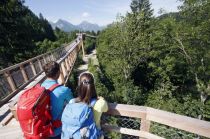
[91,56]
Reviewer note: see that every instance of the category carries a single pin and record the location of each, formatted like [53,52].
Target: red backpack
[33,112]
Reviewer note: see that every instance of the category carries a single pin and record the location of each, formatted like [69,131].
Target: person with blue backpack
[81,115]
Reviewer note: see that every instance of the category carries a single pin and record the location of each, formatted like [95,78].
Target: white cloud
[85,14]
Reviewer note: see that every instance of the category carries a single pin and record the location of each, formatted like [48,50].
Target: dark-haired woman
[87,105]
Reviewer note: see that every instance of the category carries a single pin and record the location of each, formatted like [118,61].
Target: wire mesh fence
[29,71]
[171,133]
[134,123]
[17,77]
[4,87]
[37,66]
[120,121]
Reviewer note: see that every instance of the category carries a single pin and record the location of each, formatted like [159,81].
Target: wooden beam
[63,67]
[69,60]
[145,124]
[83,50]
[33,68]
[45,61]
[67,64]
[61,78]
[191,125]
[25,77]
[127,110]
[10,81]
[40,65]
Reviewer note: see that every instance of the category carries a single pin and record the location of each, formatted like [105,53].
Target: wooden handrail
[188,124]
[180,122]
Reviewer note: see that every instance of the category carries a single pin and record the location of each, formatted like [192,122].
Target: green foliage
[161,62]
[89,45]
[20,30]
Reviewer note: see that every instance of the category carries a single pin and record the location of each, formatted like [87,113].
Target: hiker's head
[86,88]
[52,70]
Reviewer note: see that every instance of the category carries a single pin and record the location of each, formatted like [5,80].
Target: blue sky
[101,12]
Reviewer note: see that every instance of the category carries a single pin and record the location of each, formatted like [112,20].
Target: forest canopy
[162,62]
[24,35]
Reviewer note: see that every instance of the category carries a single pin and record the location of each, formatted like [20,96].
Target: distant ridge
[83,26]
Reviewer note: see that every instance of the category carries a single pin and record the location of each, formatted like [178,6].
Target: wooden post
[33,68]
[40,65]
[10,81]
[61,77]
[83,51]
[70,59]
[47,58]
[45,61]
[25,77]
[75,56]
[145,124]
[67,64]
[63,68]
[52,57]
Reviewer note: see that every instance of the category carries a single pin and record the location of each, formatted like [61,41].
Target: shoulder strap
[92,102]
[55,123]
[53,87]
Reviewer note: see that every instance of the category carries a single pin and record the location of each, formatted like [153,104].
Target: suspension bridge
[130,121]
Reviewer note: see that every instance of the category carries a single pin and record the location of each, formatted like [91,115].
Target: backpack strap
[53,87]
[55,123]
[92,102]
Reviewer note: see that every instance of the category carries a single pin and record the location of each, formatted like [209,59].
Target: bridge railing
[15,78]
[132,122]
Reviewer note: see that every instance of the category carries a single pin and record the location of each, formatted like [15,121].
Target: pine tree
[141,6]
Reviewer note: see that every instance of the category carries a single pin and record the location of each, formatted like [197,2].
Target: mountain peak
[84,26]
[63,22]
[85,22]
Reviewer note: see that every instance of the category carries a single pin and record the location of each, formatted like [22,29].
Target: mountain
[83,26]
[86,26]
[63,25]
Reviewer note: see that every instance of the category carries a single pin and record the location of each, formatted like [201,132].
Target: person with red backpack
[59,97]
[39,108]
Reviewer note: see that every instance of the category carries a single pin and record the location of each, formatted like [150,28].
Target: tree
[21,29]
[15,43]
[161,62]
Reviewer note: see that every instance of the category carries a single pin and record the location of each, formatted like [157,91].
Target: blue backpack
[78,122]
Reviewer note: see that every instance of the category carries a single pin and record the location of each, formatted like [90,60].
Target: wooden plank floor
[11,131]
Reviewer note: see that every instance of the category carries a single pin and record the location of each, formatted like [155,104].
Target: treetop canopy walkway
[128,121]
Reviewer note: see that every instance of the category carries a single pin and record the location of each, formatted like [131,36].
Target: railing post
[25,77]
[145,124]
[40,65]
[61,77]
[83,51]
[45,61]
[67,64]
[63,68]
[33,68]
[10,81]
[52,56]
[68,59]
